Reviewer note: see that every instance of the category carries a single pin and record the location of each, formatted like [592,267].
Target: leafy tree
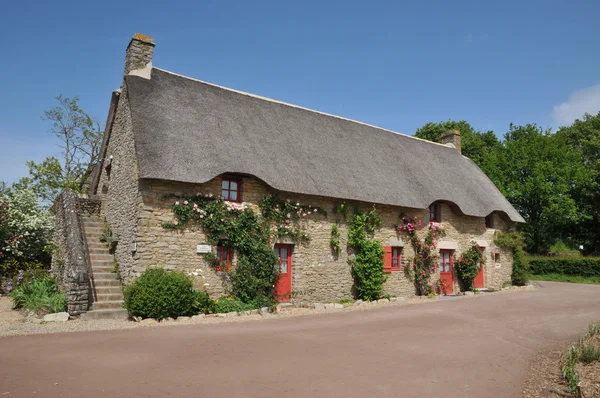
[80,140]
[583,136]
[539,175]
[482,148]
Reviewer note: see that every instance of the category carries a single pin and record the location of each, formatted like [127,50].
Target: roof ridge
[298,107]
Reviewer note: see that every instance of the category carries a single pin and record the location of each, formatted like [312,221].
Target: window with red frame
[489,222]
[231,189]
[435,213]
[392,258]
[224,257]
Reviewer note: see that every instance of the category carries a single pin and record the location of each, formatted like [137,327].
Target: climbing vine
[241,228]
[515,242]
[334,242]
[286,216]
[467,266]
[367,262]
[424,262]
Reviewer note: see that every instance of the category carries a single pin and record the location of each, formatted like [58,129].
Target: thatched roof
[191,131]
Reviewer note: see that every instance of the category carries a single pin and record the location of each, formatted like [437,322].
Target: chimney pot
[452,138]
[138,57]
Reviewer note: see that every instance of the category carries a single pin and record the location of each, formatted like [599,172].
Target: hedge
[579,266]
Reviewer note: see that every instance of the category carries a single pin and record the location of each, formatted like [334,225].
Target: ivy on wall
[515,242]
[425,261]
[334,242]
[249,233]
[367,262]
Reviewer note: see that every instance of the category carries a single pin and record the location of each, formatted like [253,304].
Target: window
[224,257]
[231,189]
[496,258]
[489,221]
[392,258]
[434,212]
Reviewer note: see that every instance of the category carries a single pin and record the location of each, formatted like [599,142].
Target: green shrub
[467,266]
[231,304]
[41,295]
[367,262]
[160,294]
[590,352]
[560,249]
[254,276]
[10,268]
[202,304]
[582,266]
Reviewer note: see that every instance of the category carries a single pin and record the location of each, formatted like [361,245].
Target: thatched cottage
[169,134]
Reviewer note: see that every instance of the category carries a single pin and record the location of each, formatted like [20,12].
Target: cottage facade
[168,134]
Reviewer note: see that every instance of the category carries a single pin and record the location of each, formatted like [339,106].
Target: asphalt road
[465,347]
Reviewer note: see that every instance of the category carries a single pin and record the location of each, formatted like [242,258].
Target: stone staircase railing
[70,262]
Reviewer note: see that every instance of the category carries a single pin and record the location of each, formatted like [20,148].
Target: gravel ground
[13,322]
[545,379]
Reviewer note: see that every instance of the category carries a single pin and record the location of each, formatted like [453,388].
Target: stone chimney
[138,57]
[452,138]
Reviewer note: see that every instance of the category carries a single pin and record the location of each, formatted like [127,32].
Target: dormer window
[231,189]
[435,213]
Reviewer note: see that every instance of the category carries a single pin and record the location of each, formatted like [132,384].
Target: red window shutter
[387,257]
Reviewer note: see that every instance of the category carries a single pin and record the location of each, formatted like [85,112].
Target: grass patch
[567,278]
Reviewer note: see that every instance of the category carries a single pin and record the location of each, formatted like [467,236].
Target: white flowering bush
[25,227]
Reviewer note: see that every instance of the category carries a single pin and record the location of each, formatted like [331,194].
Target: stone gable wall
[119,190]
[317,275]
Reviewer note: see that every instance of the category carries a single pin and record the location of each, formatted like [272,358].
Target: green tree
[539,175]
[80,139]
[482,148]
[583,137]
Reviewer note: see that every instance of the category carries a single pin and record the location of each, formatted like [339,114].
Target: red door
[478,282]
[446,271]
[283,290]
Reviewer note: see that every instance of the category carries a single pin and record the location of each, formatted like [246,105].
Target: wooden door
[283,290]
[446,282]
[478,283]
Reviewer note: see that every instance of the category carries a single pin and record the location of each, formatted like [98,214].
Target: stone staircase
[106,286]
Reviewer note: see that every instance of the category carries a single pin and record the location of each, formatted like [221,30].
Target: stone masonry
[317,275]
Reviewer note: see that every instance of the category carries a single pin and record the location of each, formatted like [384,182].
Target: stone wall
[317,274]
[88,205]
[118,186]
[70,260]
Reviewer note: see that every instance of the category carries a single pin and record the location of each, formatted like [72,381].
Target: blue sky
[392,64]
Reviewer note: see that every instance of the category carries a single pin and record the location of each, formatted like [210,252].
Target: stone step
[104,276]
[95,240]
[101,257]
[98,250]
[108,290]
[100,297]
[102,263]
[108,305]
[100,283]
[102,268]
[98,225]
[105,314]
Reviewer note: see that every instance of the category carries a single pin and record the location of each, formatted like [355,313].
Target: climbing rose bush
[467,266]
[426,259]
